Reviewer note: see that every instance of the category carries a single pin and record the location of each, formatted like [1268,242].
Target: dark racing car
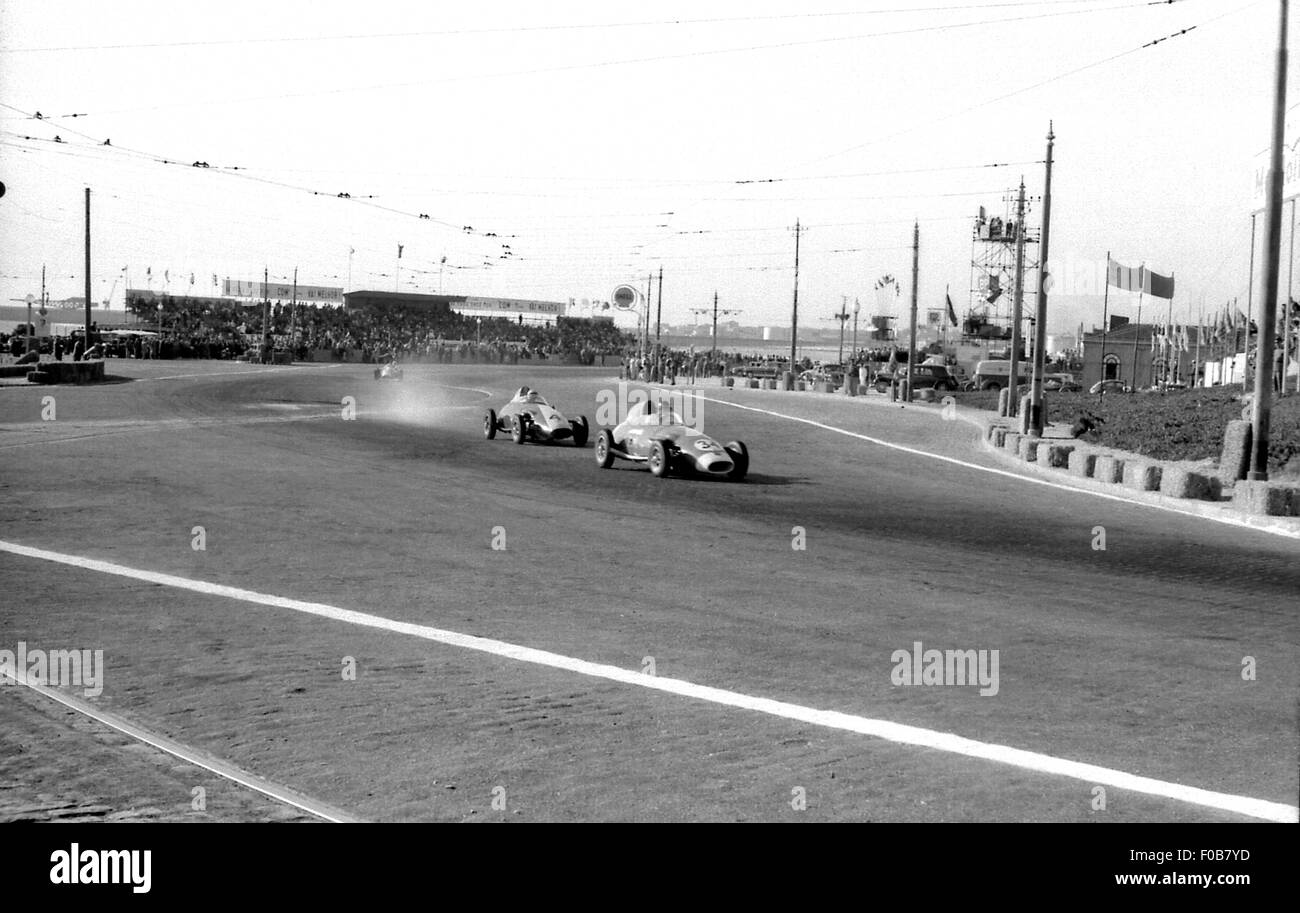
[656,435]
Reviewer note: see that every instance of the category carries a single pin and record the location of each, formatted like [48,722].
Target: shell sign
[625,298]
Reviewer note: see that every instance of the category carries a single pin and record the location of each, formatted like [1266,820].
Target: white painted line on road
[270,369]
[882,729]
[1229,520]
[192,756]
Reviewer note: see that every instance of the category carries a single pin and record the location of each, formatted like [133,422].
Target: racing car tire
[580,431]
[658,460]
[739,454]
[490,424]
[376,374]
[519,431]
[604,449]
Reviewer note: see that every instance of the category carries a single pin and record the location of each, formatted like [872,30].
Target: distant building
[1125,354]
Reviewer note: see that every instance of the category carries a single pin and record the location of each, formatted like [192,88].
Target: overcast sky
[602,141]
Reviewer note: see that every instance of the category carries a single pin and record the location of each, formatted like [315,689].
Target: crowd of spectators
[380,333]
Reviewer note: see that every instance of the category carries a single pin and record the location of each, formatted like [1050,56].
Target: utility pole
[855,326]
[842,316]
[293,310]
[911,342]
[1037,420]
[794,314]
[714,356]
[266,315]
[659,307]
[1286,308]
[645,323]
[1261,406]
[87,344]
[30,328]
[659,310]
[1250,309]
[1017,309]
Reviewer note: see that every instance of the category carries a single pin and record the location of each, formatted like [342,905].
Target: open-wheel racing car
[528,416]
[656,435]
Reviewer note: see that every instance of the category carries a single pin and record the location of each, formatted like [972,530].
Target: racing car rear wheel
[490,424]
[376,373]
[658,459]
[604,449]
[519,432]
[580,431]
[739,454]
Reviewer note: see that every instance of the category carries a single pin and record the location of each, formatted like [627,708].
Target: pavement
[864,528]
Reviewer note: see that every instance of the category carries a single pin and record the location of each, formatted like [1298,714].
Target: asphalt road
[1130,658]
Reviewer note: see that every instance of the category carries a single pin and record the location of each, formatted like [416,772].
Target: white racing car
[389,370]
[656,435]
[529,417]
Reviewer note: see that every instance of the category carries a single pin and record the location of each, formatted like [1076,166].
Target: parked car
[923,376]
[1061,383]
[832,374]
[1110,386]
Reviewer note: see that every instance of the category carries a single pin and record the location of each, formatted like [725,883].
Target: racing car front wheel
[519,432]
[604,449]
[739,454]
[580,431]
[658,459]
[490,424]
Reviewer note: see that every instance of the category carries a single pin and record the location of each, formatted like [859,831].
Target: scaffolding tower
[993,273]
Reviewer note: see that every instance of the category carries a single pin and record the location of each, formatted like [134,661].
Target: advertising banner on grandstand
[513,306]
[243,288]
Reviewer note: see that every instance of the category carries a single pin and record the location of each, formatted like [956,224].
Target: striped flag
[1156,285]
[1123,277]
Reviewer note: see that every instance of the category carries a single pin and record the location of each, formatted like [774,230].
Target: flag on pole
[1156,285]
[1122,277]
[399,251]
[952,313]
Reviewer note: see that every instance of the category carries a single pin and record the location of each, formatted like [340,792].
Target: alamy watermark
[58,668]
[952,668]
[614,406]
